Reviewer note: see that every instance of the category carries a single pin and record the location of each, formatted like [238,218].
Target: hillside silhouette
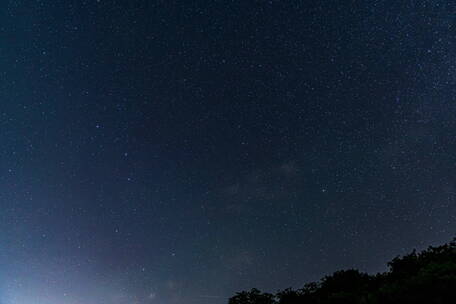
[425,277]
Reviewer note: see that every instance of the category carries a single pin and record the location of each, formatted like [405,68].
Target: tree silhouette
[253,296]
[426,277]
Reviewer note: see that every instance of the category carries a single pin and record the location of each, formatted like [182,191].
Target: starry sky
[176,152]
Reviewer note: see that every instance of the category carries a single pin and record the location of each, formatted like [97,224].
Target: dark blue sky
[177,152]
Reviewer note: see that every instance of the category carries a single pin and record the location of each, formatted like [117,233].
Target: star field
[177,152]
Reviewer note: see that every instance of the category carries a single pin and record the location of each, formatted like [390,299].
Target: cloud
[152,296]
[289,169]
[242,195]
[265,184]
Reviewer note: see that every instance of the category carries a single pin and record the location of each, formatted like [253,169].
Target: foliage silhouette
[425,277]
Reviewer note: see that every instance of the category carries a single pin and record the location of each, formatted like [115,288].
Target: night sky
[162,152]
